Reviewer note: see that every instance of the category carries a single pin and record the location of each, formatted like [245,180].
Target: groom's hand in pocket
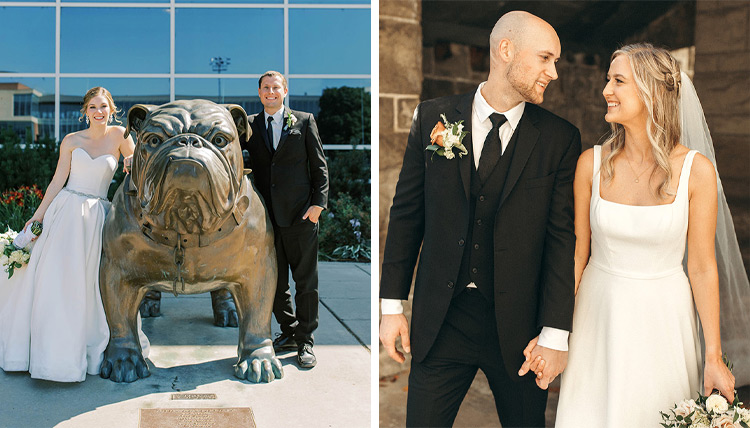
[391,327]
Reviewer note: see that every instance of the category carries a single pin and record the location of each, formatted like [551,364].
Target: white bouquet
[12,257]
[713,411]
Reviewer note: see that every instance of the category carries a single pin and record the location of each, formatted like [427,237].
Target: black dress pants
[468,341]
[297,248]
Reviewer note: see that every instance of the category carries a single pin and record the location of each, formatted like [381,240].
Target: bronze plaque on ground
[234,417]
[192,396]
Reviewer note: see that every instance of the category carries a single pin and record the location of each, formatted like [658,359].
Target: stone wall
[722,79]
[400,86]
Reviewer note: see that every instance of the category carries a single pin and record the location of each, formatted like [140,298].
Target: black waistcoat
[477,261]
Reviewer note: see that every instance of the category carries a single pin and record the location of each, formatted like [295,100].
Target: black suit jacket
[534,238]
[296,175]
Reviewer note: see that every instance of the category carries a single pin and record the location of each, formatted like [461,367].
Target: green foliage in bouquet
[18,205]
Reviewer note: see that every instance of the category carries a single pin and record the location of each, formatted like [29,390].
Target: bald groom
[495,227]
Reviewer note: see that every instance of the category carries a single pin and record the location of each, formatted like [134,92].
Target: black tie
[492,148]
[269,132]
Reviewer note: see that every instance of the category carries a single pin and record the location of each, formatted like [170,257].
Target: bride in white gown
[52,321]
[639,199]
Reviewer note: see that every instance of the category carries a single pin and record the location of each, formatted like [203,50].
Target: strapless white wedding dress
[634,349]
[52,321]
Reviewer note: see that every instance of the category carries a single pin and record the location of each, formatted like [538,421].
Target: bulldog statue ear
[136,115]
[240,120]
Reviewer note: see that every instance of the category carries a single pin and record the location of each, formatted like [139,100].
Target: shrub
[25,166]
[17,206]
[345,229]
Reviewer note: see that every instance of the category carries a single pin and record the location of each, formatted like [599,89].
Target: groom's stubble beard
[525,87]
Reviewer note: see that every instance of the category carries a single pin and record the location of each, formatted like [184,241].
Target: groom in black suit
[495,279]
[290,172]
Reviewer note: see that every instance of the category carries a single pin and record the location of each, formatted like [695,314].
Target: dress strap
[596,171]
[682,186]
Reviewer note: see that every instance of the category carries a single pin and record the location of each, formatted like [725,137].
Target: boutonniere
[290,121]
[446,136]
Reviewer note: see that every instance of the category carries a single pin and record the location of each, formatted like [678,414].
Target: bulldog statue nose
[190,140]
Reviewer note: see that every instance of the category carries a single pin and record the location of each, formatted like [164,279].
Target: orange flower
[435,137]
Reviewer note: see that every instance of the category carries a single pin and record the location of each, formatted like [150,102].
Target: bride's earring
[87,120]
[111,118]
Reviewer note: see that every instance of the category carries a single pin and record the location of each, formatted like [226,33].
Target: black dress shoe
[284,342]
[305,356]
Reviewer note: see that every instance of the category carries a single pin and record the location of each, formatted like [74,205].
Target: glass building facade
[154,52]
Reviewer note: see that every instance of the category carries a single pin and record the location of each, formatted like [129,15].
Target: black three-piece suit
[291,178]
[511,234]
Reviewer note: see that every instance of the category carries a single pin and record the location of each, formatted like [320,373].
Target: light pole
[219,64]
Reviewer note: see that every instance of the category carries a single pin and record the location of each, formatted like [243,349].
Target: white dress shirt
[481,125]
[277,124]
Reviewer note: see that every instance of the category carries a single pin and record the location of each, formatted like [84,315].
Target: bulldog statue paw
[225,313]
[259,365]
[123,364]
[151,305]
[187,220]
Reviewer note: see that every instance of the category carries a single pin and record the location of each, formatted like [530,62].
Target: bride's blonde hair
[657,76]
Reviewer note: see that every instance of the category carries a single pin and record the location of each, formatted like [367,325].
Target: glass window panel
[333,41]
[253,40]
[126,92]
[331,1]
[116,1]
[230,1]
[305,93]
[243,92]
[32,32]
[124,40]
[28,104]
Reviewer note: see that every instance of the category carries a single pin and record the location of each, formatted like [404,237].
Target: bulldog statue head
[187,166]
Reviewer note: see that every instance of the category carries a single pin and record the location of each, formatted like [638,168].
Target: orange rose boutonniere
[445,137]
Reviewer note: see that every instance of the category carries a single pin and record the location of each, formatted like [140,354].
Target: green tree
[26,166]
[344,115]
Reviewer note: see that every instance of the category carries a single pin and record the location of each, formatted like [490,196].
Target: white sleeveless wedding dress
[634,349]
[52,321]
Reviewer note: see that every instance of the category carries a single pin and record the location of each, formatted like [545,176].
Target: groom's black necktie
[492,148]
[269,132]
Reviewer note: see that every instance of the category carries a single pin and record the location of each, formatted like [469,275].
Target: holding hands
[545,362]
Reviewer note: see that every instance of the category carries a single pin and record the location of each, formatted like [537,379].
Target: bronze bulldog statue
[186,220]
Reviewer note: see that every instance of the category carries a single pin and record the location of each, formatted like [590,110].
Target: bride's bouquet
[713,411]
[12,257]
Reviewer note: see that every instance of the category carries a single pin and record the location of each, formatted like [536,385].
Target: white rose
[15,256]
[744,415]
[724,421]
[26,257]
[449,154]
[717,404]
[4,242]
[685,408]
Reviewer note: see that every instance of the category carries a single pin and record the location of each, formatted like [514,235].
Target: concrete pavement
[190,355]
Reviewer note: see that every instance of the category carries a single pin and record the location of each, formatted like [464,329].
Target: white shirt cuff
[554,338]
[391,306]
